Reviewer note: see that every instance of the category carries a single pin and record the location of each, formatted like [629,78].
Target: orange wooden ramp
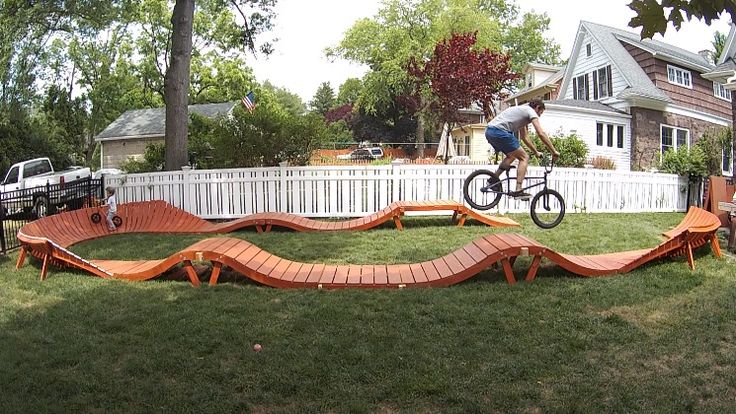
[697,228]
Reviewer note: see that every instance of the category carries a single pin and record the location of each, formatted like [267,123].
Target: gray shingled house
[128,136]
[630,99]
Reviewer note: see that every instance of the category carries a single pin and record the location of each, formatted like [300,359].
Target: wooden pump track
[49,238]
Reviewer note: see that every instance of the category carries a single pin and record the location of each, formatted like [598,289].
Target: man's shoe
[490,186]
[520,195]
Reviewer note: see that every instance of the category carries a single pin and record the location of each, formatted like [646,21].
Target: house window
[727,165]
[588,50]
[608,134]
[462,146]
[580,89]
[674,138]
[679,76]
[721,92]
[602,83]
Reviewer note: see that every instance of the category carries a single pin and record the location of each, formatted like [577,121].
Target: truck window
[12,176]
[36,168]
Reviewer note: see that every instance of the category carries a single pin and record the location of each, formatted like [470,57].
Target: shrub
[573,150]
[153,160]
[685,162]
[712,144]
[603,163]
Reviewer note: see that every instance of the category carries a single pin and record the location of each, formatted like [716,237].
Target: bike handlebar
[547,162]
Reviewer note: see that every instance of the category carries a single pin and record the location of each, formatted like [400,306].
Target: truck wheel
[41,207]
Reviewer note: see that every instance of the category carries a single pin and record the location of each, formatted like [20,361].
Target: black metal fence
[20,207]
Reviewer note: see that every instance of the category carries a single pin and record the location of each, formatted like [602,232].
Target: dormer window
[720,91]
[588,50]
[679,76]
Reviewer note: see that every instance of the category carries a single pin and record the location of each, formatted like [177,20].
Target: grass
[659,339]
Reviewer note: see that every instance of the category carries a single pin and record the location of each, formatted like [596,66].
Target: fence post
[395,183]
[3,246]
[282,187]
[187,193]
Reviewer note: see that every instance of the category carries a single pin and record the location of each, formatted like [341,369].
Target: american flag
[249,101]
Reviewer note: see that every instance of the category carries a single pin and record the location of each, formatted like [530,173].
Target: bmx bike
[96,217]
[483,190]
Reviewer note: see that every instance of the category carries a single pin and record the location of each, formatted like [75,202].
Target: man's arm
[544,137]
[528,142]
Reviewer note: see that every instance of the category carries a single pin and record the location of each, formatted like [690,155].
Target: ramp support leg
[508,271]
[397,221]
[216,268]
[191,273]
[715,245]
[532,273]
[45,266]
[21,258]
[690,258]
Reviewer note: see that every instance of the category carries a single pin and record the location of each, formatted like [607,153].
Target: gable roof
[149,123]
[610,40]
[589,105]
[543,87]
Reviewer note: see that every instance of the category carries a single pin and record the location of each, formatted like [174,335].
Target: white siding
[587,64]
[583,124]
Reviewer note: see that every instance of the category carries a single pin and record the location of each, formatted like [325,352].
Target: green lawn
[659,339]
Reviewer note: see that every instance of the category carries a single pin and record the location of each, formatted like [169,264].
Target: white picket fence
[351,191]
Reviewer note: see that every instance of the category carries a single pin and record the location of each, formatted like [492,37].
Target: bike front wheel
[482,190]
[547,208]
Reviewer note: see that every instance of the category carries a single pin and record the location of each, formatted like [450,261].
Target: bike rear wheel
[547,208]
[482,190]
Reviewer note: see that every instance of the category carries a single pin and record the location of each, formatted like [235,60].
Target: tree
[406,29]
[652,17]
[718,43]
[457,76]
[324,99]
[349,92]
[291,102]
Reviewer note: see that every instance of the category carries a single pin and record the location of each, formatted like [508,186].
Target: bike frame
[547,171]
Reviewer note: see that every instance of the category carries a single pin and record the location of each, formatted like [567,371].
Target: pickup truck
[32,177]
[363,154]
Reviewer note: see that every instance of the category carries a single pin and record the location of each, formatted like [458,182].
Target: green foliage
[650,14]
[573,150]
[23,137]
[324,99]
[686,162]
[349,92]
[153,160]
[266,138]
[339,132]
[712,144]
[291,102]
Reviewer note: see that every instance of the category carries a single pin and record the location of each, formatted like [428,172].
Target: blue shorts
[502,140]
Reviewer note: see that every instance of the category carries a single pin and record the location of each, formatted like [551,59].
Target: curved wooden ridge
[696,229]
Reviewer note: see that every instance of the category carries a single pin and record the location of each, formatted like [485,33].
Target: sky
[306,28]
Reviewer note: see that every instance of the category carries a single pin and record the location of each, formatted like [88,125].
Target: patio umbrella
[446,147]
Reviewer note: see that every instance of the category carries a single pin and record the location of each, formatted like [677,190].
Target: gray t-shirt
[514,118]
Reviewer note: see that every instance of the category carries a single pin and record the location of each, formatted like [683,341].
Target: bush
[573,150]
[603,163]
[153,160]
[685,162]
[712,144]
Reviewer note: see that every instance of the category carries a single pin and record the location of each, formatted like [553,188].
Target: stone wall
[117,152]
[646,137]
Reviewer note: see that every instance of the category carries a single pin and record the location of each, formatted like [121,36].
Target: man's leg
[521,155]
[504,166]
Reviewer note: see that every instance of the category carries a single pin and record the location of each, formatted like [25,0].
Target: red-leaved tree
[456,76]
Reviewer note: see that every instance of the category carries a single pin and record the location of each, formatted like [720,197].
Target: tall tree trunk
[176,85]
[420,136]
